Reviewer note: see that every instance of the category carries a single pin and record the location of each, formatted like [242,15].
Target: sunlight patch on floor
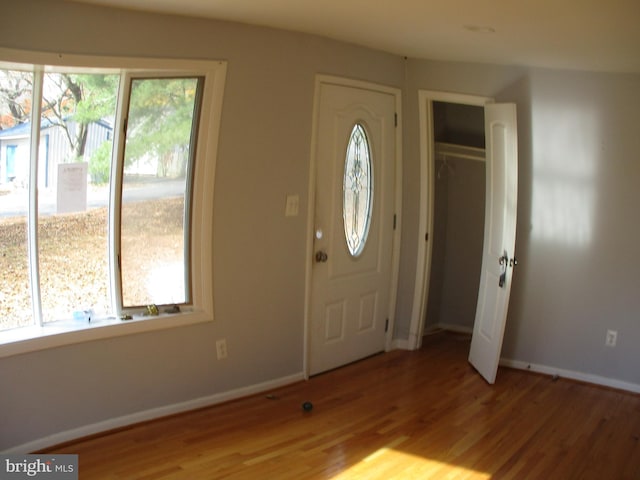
[390,463]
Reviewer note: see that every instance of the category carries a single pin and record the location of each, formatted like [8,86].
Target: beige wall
[569,288]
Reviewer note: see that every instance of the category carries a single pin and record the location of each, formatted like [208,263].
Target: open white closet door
[498,257]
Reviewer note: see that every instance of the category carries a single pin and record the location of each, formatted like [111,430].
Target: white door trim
[426,203]
[395,265]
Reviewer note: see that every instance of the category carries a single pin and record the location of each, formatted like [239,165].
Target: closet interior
[459,202]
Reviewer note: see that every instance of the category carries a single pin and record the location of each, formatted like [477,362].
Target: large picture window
[98,190]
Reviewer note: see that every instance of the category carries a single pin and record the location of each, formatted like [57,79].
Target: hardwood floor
[400,415]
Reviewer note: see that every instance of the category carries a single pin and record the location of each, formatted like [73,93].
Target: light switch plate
[293,204]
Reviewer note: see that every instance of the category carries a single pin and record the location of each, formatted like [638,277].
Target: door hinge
[125,125]
[395,119]
[426,237]
[386,325]
[394,221]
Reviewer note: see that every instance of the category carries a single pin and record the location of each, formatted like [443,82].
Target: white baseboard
[579,376]
[412,342]
[400,344]
[151,414]
[454,328]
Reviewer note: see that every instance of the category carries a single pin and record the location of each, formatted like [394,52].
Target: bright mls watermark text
[50,467]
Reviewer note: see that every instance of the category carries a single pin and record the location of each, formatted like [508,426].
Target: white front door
[499,238]
[355,149]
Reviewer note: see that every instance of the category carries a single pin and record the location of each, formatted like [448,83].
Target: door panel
[499,238]
[350,294]
[334,322]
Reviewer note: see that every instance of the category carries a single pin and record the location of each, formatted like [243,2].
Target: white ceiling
[598,35]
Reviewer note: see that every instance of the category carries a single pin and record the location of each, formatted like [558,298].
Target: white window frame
[55,334]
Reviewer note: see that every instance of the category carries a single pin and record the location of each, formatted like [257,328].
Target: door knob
[503,261]
[321,256]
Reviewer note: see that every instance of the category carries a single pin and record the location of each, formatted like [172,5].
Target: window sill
[58,334]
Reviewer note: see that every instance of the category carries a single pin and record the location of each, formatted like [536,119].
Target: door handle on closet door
[504,263]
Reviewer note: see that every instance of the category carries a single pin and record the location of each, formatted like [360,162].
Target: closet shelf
[450,150]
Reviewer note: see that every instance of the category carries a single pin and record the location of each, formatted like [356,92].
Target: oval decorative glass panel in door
[357,191]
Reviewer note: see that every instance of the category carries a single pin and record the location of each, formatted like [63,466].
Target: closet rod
[460,151]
